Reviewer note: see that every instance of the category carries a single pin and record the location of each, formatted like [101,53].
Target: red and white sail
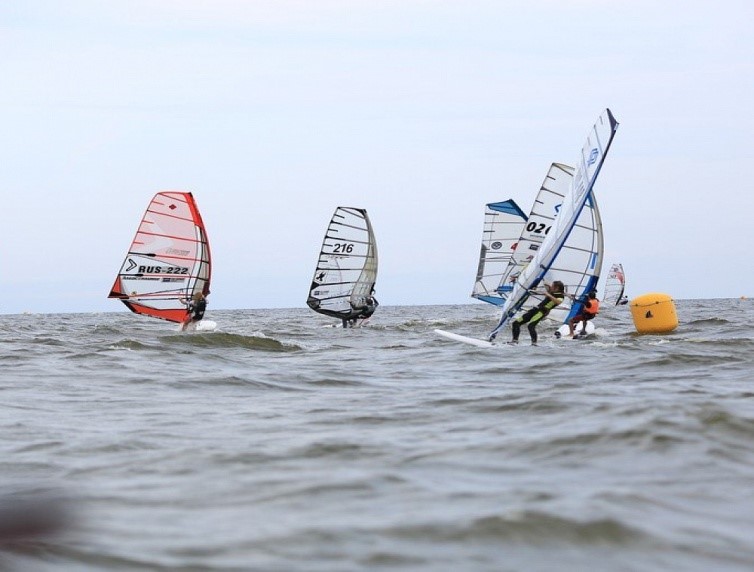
[168,261]
[614,285]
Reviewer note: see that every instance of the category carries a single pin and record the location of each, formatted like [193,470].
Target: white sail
[588,167]
[347,267]
[538,224]
[503,224]
[580,261]
[579,264]
[614,285]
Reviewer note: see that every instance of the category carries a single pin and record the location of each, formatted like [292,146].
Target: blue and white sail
[544,266]
[579,264]
[503,224]
[580,261]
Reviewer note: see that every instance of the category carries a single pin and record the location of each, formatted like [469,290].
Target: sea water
[276,443]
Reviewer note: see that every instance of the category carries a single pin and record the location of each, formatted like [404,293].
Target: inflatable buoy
[654,314]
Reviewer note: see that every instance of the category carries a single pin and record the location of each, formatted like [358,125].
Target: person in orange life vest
[588,311]
[554,294]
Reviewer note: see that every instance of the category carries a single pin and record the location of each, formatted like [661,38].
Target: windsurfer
[554,295]
[196,307]
[369,309]
[363,313]
[588,311]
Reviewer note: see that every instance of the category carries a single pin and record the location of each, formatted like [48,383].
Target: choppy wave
[230,340]
[274,443]
[529,527]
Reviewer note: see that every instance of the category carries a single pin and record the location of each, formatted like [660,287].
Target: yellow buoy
[654,314]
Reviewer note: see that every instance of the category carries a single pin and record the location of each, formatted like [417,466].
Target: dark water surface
[275,443]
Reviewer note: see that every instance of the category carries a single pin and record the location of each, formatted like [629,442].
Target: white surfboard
[200,326]
[464,339]
[563,333]
[206,326]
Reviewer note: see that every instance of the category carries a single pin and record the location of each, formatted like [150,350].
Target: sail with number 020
[543,267]
[580,260]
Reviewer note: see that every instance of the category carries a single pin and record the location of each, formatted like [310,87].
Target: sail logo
[131,265]
[143,269]
[496,245]
[593,156]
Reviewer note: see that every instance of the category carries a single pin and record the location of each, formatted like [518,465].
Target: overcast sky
[274,112]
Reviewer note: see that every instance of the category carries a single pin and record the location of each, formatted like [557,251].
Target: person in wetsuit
[369,309]
[196,308]
[554,295]
[365,312]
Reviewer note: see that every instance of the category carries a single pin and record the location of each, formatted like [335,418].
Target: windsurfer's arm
[551,297]
[540,292]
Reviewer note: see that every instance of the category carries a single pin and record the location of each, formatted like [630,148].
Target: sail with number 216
[587,169]
[168,261]
[346,271]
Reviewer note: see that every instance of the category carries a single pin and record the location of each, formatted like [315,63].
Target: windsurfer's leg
[580,325]
[516,329]
[533,331]
[533,326]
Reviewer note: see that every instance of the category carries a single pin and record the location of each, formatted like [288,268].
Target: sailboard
[503,224]
[346,272]
[615,285]
[549,262]
[168,262]
[464,339]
